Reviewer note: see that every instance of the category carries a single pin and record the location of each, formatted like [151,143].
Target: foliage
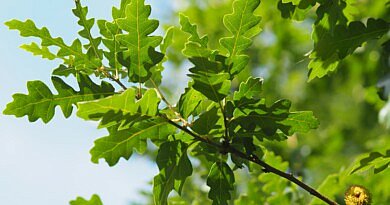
[95,200]
[40,102]
[375,160]
[226,119]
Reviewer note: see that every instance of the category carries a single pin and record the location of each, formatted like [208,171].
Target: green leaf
[189,101]
[250,89]
[206,122]
[95,200]
[87,24]
[64,70]
[374,160]
[40,103]
[195,46]
[346,39]
[270,119]
[121,143]
[221,182]
[245,145]
[318,68]
[244,25]
[208,154]
[331,47]
[130,123]
[174,166]
[39,51]
[295,10]
[81,60]
[109,30]
[156,78]
[294,2]
[210,78]
[140,56]
[125,103]
[121,12]
[168,39]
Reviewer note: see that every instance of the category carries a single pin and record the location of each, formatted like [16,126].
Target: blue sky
[50,164]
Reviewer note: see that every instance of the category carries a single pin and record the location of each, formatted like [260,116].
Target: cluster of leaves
[334,35]
[346,103]
[210,112]
[208,108]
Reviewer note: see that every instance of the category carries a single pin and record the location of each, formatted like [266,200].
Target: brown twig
[255,159]
[225,121]
[268,168]
[178,115]
[103,70]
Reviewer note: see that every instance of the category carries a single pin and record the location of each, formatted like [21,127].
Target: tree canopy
[284,100]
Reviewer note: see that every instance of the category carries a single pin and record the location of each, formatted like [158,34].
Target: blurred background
[49,164]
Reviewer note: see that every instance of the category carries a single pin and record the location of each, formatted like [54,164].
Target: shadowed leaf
[263,121]
[210,78]
[189,101]
[174,166]
[331,47]
[221,182]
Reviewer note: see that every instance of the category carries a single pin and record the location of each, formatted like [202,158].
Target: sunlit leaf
[244,25]
[168,39]
[125,102]
[109,30]
[40,103]
[95,200]
[87,24]
[294,2]
[249,90]
[39,51]
[140,56]
[374,160]
[156,78]
[122,143]
[81,60]
[195,46]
